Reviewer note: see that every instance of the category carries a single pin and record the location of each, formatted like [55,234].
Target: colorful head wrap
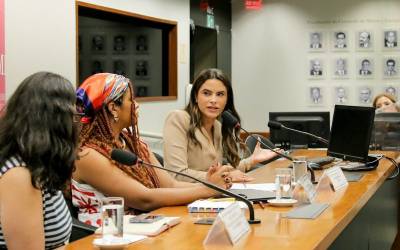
[98,90]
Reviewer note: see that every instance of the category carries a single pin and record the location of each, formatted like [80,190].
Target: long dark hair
[230,136]
[38,126]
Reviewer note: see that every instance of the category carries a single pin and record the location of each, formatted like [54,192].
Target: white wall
[270,55]
[40,35]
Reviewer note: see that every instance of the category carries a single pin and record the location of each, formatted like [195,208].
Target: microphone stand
[306,133]
[278,153]
[264,144]
[251,220]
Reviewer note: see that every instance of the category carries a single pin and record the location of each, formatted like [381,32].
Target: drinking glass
[283,182]
[112,214]
[299,167]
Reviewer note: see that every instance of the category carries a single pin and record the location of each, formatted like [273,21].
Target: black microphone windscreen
[229,120]
[124,157]
[275,125]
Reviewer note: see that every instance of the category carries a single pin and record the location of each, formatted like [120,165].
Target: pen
[261,204]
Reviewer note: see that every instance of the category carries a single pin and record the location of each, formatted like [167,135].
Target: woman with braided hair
[110,122]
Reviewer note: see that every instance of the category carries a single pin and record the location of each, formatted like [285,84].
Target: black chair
[160,159]
[251,143]
[79,229]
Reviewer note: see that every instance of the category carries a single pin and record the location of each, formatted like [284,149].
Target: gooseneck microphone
[278,125]
[130,159]
[232,121]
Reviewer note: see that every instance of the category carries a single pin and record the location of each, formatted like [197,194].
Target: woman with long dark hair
[194,138]
[38,140]
[111,116]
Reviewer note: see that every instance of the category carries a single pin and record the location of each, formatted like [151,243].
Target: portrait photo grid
[119,53]
[343,56]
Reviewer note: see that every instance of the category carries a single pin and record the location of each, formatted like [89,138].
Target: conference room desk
[364,215]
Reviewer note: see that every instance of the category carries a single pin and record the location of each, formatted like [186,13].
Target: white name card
[336,178]
[230,225]
[308,187]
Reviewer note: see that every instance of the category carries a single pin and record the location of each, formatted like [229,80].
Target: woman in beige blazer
[195,140]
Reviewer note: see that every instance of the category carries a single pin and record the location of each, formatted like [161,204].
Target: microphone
[130,159]
[232,121]
[278,125]
[229,120]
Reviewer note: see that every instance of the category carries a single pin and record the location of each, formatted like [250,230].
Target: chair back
[251,143]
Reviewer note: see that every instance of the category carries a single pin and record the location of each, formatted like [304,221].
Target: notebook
[212,205]
[149,229]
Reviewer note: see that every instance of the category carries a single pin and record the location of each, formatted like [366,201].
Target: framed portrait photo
[390,39]
[365,68]
[341,95]
[315,95]
[142,69]
[340,68]
[391,89]
[364,40]
[141,91]
[98,43]
[97,66]
[120,67]
[365,95]
[316,69]
[390,67]
[340,40]
[141,46]
[120,43]
[316,42]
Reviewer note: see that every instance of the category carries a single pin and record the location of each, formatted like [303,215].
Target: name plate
[230,225]
[308,187]
[336,178]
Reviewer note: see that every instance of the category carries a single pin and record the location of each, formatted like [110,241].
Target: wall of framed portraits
[107,46]
[139,47]
[33,43]
[310,55]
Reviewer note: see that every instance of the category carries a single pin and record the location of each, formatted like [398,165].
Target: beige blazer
[181,154]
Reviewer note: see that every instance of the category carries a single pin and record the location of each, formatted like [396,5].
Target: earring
[116,118]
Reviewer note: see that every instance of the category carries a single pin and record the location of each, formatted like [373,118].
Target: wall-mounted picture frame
[365,68]
[365,95]
[390,67]
[340,41]
[141,91]
[390,39]
[364,40]
[341,95]
[97,66]
[142,69]
[316,95]
[390,89]
[120,43]
[98,43]
[120,67]
[340,68]
[316,41]
[316,68]
[142,46]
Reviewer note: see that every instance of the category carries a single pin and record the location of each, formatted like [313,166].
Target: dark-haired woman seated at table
[111,117]
[38,141]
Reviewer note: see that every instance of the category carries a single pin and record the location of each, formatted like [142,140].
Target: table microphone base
[255,221]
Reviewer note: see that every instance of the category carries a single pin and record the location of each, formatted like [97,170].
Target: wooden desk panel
[274,232]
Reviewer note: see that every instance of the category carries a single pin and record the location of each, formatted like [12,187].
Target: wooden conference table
[362,216]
